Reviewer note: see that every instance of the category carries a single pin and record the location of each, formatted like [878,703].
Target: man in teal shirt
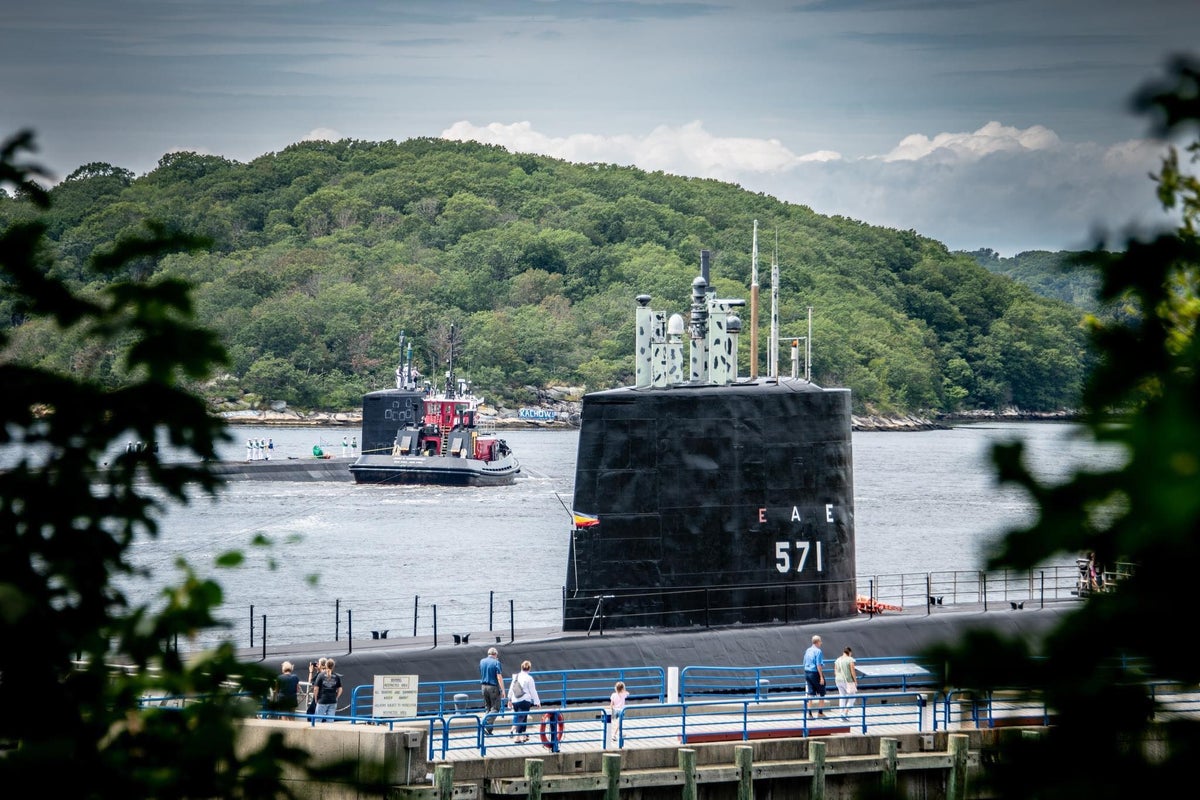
[491,680]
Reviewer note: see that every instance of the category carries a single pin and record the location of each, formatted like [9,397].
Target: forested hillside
[1057,275]
[324,252]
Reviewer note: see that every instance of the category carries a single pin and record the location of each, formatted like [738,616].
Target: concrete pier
[939,766]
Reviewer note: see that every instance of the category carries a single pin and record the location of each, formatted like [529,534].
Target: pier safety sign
[394,696]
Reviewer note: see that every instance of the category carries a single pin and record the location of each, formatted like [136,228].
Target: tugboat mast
[450,371]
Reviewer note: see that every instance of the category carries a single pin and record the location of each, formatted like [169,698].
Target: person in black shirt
[328,688]
[287,687]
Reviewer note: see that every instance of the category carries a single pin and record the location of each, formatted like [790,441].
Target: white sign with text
[395,696]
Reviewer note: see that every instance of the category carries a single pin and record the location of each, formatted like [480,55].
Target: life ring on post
[552,729]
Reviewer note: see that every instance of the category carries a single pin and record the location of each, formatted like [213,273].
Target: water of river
[924,501]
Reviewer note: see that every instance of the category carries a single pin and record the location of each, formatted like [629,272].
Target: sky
[1004,124]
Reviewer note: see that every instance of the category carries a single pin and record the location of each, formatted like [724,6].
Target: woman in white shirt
[522,696]
[847,681]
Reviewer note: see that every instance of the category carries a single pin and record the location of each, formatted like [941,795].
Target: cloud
[685,150]
[991,138]
[322,135]
[1003,187]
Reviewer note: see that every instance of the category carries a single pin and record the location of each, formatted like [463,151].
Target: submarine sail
[702,499]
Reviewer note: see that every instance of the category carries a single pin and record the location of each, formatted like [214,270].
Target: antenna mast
[754,305]
[404,370]
[808,349]
[773,346]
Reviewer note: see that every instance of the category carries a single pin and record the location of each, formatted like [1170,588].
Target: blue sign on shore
[538,413]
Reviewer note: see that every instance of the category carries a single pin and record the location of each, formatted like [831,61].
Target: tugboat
[413,436]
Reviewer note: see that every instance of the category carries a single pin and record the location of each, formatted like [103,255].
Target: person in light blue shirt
[814,675]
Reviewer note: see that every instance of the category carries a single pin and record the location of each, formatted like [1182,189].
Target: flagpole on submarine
[574,530]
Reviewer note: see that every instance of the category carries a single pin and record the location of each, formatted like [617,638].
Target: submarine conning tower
[703,499]
[386,412]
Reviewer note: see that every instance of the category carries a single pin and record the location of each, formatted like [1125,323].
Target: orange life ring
[551,718]
[868,605]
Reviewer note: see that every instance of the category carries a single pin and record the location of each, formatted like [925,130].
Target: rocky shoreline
[947,421]
[567,417]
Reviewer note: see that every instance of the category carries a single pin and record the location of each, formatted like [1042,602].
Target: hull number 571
[784,558]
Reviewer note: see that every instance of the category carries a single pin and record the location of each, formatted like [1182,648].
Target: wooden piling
[743,757]
[612,776]
[443,781]
[687,765]
[956,781]
[816,754]
[533,774]
[888,748]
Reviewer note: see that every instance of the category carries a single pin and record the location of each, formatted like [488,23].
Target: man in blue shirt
[814,675]
[491,680]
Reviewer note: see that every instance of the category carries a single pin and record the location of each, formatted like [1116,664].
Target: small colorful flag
[584,520]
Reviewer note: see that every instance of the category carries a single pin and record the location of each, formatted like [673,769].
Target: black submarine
[702,498]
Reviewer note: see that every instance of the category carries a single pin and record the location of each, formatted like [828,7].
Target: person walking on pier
[328,686]
[814,675]
[522,696]
[846,680]
[287,685]
[315,668]
[491,683]
[616,705]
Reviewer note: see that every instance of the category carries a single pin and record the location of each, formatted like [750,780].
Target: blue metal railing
[876,673]
[555,688]
[748,719]
[1027,707]
[716,704]
[713,720]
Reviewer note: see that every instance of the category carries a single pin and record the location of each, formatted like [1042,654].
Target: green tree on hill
[1145,512]
[430,231]
[70,516]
